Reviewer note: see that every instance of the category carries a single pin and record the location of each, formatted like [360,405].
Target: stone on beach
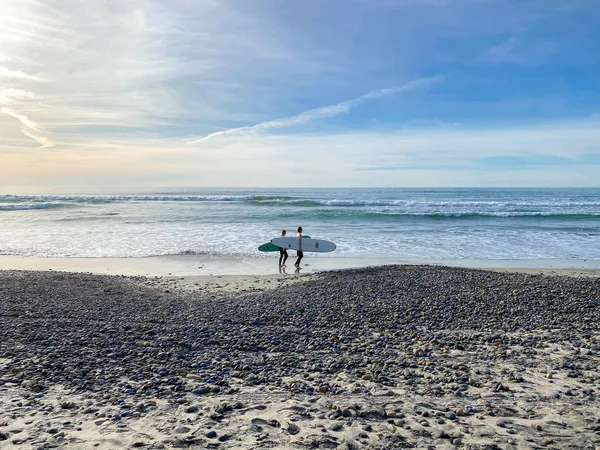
[398,351]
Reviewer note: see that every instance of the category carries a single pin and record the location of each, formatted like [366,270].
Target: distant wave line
[283,200]
[23,207]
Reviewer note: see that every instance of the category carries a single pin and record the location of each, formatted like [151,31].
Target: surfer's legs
[300,255]
[283,256]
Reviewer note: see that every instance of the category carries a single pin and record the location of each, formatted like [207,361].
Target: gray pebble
[439,434]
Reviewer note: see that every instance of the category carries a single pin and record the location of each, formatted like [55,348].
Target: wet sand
[208,265]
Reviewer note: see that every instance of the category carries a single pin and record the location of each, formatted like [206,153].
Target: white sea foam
[429,224]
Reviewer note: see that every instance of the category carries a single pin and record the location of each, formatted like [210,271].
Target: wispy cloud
[501,53]
[29,128]
[320,113]
[175,71]
[12,96]
[9,73]
[58,69]
[425,156]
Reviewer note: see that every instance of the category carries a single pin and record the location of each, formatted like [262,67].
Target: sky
[272,93]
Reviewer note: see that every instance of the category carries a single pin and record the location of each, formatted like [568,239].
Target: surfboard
[269,247]
[308,244]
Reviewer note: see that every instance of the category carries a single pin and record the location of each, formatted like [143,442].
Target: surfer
[283,254]
[299,253]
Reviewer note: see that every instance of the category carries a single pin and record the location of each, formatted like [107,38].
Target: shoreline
[226,275]
[204,266]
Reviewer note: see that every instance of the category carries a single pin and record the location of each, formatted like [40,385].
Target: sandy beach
[374,358]
[429,171]
[244,274]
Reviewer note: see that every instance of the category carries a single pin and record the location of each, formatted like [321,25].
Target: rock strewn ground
[391,357]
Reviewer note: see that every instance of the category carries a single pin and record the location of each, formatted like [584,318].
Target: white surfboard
[308,244]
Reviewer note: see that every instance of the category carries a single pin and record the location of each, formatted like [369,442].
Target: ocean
[419,224]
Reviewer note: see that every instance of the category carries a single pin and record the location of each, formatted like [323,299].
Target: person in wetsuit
[299,253]
[283,254]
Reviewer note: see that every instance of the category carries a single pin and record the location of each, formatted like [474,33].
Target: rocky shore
[375,358]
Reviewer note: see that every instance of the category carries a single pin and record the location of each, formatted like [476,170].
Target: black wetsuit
[300,255]
[283,255]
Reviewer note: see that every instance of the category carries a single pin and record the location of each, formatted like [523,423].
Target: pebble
[201,391]
[348,412]
[439,434]
[359,324]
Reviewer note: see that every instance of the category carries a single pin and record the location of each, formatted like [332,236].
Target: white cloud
[319,113]
[6,73]
[74,68]
[29,128]
[431,156]
[116,85]
[15,96]
[23,119]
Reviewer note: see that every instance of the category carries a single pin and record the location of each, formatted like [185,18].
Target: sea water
[418,224]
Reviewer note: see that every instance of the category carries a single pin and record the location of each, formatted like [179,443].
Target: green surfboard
[268,247]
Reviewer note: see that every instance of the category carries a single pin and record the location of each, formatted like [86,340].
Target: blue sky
[300,93]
